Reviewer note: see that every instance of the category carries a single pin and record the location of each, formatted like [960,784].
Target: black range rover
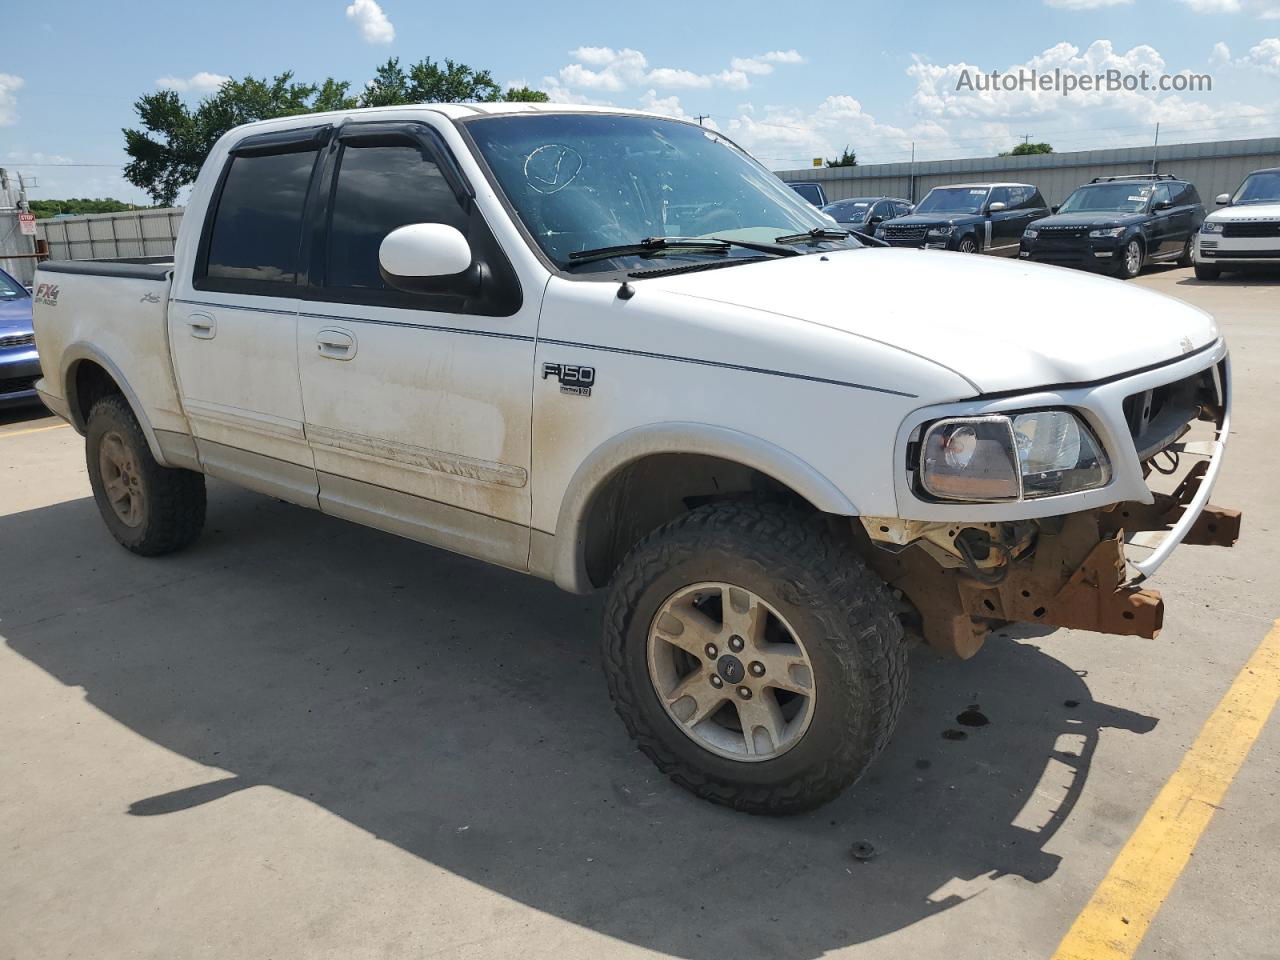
[968,217]
[1119,224]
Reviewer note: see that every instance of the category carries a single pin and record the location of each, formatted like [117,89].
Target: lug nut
[735,643]
[712,652]
[756,668]
[744,693]
[716,681]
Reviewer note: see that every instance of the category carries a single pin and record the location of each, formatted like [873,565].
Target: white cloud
[1221,53]
[1085,4]
[9,85]
[607,70]
[1262,9]
[202,82]
[1265,56]
[373,23]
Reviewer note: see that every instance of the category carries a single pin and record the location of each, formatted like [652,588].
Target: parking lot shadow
[458,712]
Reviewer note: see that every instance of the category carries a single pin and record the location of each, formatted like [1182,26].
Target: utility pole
[1155,148]
[911,175]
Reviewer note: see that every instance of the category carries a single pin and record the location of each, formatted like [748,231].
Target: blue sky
[877,76]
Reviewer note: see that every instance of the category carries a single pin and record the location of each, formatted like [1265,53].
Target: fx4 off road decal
[573,379]
[47,294]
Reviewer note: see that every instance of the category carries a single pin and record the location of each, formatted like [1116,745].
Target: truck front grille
[1063,233]
[1248,230]
[1158,417]
[904,236]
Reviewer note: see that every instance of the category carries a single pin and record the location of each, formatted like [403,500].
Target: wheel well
[88,382]
[646,493]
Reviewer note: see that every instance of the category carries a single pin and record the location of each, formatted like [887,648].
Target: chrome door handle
[336,344]
[203,326]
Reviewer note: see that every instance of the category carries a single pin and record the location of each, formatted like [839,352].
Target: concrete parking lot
[302,738]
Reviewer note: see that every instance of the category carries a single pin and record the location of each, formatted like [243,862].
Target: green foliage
[1027,149]
[847,158]
[166,154]
[43,209]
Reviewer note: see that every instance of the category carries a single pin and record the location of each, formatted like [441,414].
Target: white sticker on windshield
[1137,199]
[978,193]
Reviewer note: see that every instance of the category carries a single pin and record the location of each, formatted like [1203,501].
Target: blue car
[19,365]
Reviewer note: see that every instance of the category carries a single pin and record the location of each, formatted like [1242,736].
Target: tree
[43,209]
[1027,150]
[166,154]
[847,158]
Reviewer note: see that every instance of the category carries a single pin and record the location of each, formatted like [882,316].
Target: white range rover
[1246,232]
[611,350]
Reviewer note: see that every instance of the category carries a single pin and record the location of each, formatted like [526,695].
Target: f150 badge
[573,379]
[47,294]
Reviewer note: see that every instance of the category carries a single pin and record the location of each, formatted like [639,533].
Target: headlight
[1031,233]
[1209,226]
[1108,232]
[1018,457]
[941,231]
[879,231]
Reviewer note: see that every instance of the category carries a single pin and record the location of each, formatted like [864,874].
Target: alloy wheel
[121,479]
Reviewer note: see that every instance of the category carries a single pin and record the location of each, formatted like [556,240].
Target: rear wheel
[1207,273]
[148,508]
[754,657]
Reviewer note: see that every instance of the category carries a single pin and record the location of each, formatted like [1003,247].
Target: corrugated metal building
[1216,167]
[133,233]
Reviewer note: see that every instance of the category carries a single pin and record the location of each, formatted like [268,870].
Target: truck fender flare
[82,350]
[569,566]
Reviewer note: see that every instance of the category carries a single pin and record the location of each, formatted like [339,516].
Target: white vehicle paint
[1244,232]
[553,432]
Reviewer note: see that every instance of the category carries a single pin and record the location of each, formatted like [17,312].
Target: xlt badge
[573,379]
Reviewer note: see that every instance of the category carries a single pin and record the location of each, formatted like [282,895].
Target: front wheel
[754,657]
[1185,260]
[1131,262]
[1207,273]
[968,245]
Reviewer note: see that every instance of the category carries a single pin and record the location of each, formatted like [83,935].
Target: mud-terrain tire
[817,588]
[149,509]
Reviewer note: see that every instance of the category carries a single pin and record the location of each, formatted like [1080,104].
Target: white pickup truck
[611,350]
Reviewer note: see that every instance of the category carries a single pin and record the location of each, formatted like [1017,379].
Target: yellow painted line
[21,433]
[1114,922]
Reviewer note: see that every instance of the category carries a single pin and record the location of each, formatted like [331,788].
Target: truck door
[233,319]
[417,405]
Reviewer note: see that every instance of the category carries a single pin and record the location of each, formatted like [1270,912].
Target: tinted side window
[380,188]
[1162,194]
[258,223]
[999,195]
[1036,202]
[902,209]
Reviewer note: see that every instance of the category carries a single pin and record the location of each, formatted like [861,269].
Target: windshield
[10,289]
[585,181]
[850,211]
[1108,198]
[1260,188]
[953,200]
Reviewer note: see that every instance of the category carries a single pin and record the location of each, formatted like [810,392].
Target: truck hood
[1246,211]
[15,316]
[936,220]
[1094,219]
[1001,324]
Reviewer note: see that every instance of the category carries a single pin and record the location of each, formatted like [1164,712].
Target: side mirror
[997,206]
[1224,199]
[1054,208]
[1163,205]
[428,258]
[874,220]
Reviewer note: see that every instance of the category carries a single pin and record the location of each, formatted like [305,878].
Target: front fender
[569,568]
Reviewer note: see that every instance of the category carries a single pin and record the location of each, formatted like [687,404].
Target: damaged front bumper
[1082,570]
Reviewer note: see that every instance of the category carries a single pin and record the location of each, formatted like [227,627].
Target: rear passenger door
[417,405]
[233,320]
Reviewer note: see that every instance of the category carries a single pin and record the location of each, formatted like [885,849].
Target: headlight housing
[1107,232]
[1031,233]
[941,231]
[1210,226]
[1019,456]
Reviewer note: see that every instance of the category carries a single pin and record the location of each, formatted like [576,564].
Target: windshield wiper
[651,246]
[817,233]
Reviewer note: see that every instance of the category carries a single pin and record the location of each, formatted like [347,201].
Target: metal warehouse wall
[136,233]
[1214,168]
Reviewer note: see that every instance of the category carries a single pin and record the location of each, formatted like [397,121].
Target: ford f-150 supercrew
[611,350]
